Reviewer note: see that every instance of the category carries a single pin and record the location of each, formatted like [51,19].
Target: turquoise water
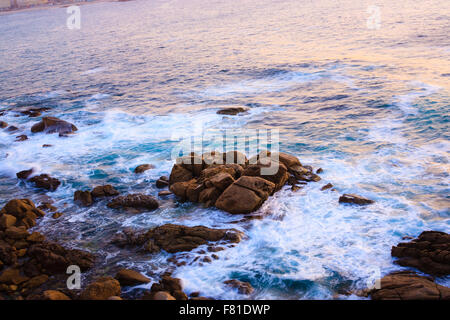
[371,107]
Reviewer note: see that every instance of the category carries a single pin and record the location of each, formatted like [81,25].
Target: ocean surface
[367,103]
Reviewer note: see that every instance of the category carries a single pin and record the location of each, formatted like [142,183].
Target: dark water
[369,106]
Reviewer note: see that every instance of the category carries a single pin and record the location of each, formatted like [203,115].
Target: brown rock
[12,129]
[288,160]
[56,215]
[104,191]
[231,111]
[175,238]
[137,201]
[3,124]
[83,197]
[101,289]
[429,253]
[35,237]
[162,183]
[22,137]
[47,145]
[24,174]
[164,193]
[44,181]
[209,196]
[193,163]
[352,198]
[235,157]
[222,180]
[16,233]
[52,125]
[162,295]
[114,298]
[54,295]
[12,276]
[127,277]
[21,208]
[143,167]
[242,287]
[6,221]
[179,174]
[326,187]
[409,286]
[279,178]
[36,281]
[7,253]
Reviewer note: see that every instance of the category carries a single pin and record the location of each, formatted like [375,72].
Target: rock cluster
[176,238]
[430,253]
[27,260]
[232,182]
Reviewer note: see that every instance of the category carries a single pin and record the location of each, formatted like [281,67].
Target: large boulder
[143,167]
[23,210]
[83,197]
[279,178]
[101,289]
[179,174]
[52,125]
[409,286]
[429,253]
[137,201]
[245,195]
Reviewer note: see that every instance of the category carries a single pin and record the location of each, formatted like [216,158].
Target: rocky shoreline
[33,268]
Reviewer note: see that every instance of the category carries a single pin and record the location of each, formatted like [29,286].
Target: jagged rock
[245,195]
[326,187]
[44,181]
[52,125]
[355,199]
[24,174]
[138,201]
[83,197]
[231,111]
[104,191]
[143,167]
[430,253]
[101,289]
[7,220]
[242,287]
[127,277]
[409,286]
[23,210]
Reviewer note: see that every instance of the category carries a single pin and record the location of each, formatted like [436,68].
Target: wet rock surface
[355,199]
[53,125]
[231,111]
[430,253]
[137,201]
[143,167]
[44,181]
[409,286]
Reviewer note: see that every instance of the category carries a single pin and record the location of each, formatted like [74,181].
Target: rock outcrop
[429,253]
[44,181]
[409,286]
[143,167]
[232,182]
[54,125]
[176,238]
[127,277]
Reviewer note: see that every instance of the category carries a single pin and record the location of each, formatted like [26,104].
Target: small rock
[54,295]
[355,199]
[56,215]
[162,295]
[161,183]
[47,145]
[12,129]
[44,181]
[231,111]
[22,137]
[3,124]
[326,187]
[164,193]
[143,167]
[24,174]
[320,170]
[127,277]
[242,287]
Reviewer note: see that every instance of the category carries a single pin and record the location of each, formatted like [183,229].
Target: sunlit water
[369,106]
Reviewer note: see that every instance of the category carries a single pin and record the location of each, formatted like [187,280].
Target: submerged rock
[409,286]
[429,253]
[231,111]
[52,125]
[355,199]
[242,287]
[3,124]
[44,181]
[138,201]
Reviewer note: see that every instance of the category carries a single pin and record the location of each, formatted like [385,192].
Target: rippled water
[369,106]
